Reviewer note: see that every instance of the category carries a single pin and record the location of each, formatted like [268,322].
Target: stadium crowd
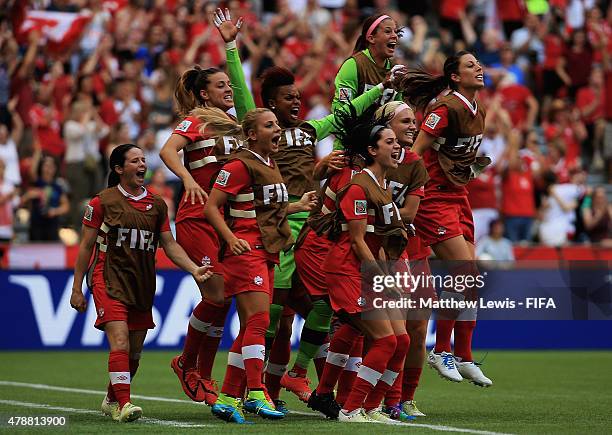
[548,68]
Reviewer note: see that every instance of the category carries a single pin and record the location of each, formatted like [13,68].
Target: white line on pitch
[167,399]
[147,420]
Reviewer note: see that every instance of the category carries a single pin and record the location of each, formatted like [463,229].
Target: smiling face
[265,136]
[383,40]
[387,152]
[132,173]
[286,105]
[469,75]
[218,92]
[404,126]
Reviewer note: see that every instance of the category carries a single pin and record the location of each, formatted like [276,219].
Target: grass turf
[533,392]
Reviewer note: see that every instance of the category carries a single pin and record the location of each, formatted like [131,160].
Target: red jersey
[481,190]
[608,92]
[94,218]
[553,50]
[201,161]
[587,96]
[234,179]
[517,194]
[436,124]
[342,258]
[514,100]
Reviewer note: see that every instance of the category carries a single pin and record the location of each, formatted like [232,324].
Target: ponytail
[187,91]
[215,122]
[420,87]
[117,158]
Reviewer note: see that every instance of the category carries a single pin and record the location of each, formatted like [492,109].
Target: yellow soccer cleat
[110,408]
[129,412]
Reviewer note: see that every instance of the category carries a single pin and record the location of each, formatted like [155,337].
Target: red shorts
[248,273]
[345,293]
[416,250]
[440,219]
[199,240]
[109,309]
[309,259]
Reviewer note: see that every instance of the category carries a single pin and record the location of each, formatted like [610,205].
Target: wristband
[230,45]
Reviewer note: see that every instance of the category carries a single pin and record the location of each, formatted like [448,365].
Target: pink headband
[399,108]
[376,22]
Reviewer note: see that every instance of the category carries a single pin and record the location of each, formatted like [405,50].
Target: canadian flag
[60,29]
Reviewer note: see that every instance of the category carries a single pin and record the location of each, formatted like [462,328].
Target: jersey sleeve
[419,191]
[94,213]
[436,122]
[325,126]
[233,178]
[354,204]
[189,129]
[346,83]
[243,99]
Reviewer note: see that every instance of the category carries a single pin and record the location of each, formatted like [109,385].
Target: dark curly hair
[358,132]
[272,79]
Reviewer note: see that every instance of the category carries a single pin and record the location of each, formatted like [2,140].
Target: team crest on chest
[361,207]
[183,126]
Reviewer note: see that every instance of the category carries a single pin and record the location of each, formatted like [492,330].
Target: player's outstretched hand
[78,301]
[335,160]
[396,76]
[309,201]
[227,29]
[202,273]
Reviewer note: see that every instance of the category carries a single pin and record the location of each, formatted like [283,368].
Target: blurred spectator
[82,133]
[565,128]
[8,145]
[505,68]
[558,209]
[597,217]
[495,246]
[518,196]
[158,186]
[46,121]
[8,194]
[527,42]
[590,101]
[47,199]
[519,102]
[575,64]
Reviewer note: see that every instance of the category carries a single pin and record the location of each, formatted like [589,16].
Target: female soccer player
[407,186]
[369,220]
[449,139]
[204,155]
[127,223]
[372,59]
[256,231]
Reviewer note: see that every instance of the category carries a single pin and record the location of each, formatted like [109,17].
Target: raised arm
[243,99]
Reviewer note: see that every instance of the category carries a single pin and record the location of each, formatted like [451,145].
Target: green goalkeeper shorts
[284,271]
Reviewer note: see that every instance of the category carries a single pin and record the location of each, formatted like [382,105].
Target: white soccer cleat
[380,417]
[110,408]
[472,373]
[444,363]
[356,416]
[409,407]
[129,412]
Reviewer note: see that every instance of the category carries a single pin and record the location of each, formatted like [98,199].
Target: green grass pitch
[533,392]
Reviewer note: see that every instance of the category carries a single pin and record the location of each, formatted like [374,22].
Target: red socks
[280,353]
[464,329]
[210,342]
[390,375]
[371,370]
[119,373]
[444,329]
[348,375]
[410,382]
[254,349]
[234,374]
[337,357]
[196,331]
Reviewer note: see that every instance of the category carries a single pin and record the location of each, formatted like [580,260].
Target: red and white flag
[59,29]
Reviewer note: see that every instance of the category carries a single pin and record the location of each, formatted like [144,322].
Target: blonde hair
[217,123]
[388,110]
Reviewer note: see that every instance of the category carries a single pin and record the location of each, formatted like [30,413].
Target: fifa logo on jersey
[468,144]
[139,239]
[390,211]
[275,192]
[398,193]
[298,138]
